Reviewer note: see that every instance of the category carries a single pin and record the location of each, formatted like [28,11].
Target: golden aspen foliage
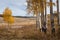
[36,6]
[11,20]
[7,15]
[7,12]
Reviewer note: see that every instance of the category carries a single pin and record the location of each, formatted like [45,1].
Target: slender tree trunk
[37,17]
[42,15]
[45,14]
[51,16]
[58,11]
[37,21]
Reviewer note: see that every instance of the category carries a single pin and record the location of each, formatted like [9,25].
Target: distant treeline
[24,16]
[21,16]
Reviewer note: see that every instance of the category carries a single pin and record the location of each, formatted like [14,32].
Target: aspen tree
[7,15]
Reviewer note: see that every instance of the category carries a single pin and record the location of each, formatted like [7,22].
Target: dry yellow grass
[27,32]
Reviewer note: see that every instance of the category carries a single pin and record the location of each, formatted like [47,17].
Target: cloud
[25,3]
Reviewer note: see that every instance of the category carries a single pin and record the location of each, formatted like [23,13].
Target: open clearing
[25,29]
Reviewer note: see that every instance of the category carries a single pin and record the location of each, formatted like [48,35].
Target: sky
[18,7]
[54,7]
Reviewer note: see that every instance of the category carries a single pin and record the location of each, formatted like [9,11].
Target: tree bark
[45,14]
[51,16]
[37,21]
[58,11]
[42,15]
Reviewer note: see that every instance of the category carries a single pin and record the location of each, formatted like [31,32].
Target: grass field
[25,29]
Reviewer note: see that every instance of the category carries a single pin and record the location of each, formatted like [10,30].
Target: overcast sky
[18,7]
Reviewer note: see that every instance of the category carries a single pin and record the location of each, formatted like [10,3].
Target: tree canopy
[7,15]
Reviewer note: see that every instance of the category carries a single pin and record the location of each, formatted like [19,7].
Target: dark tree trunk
[58,11]
[51,16]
